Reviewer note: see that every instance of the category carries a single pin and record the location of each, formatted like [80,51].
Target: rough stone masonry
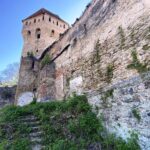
[105,55]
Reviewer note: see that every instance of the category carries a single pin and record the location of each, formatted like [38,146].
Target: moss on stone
[45,61]
[109,72]
[122,37]
[136,64]
[136,114]
[146,47]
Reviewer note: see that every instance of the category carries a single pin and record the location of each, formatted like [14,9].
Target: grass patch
[67,125]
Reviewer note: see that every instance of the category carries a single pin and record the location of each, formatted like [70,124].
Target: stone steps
[36,132]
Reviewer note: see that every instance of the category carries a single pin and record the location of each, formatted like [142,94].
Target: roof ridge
[43,11]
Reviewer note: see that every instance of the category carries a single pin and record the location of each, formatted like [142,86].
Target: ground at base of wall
[58,125]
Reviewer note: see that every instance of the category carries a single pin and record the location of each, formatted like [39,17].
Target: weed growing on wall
[45,61]
[122,37]
[107,94]
[96,55]
[136,114]
[30,54]
[109,72]
[136,64]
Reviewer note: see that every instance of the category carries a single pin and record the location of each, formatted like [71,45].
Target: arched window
[64,26]
[49,19]
[57,23]
[43,17]
[38,33]
[34,20]
[52,33]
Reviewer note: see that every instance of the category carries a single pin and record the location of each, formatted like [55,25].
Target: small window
[28,33]
[49,19]
[37,50]
[38,33]
[34,20]
[52,33]
[38,36]
[53,22]
[43,17]
[57,23]
[64,26]
[27,23]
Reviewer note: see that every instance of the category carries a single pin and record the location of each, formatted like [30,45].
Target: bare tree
[10,74]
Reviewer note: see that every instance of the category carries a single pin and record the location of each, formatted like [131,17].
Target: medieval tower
[40,30]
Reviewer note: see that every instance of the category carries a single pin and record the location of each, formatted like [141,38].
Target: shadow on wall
[7,95]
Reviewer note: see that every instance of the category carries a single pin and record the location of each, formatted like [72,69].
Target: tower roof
[43,11]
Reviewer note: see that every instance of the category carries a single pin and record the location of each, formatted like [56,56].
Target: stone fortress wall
[104,55]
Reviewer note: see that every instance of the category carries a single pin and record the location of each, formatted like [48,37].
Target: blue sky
[13,11]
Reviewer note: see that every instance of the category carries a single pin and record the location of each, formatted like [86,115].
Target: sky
[12,12]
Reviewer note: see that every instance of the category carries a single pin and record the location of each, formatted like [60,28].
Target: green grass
[67,125]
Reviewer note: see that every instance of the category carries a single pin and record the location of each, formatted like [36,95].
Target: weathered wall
[105,55]
[120,27]
[7,96]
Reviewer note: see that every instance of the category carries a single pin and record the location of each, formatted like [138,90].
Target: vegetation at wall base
[67,125]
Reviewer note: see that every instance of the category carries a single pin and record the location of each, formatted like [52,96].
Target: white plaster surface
[25,99]
[76,85]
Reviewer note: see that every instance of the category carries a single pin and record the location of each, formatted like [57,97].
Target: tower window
[49,19]
[34,20]
[57,23]
[52,33]
[28,33]
[38,33]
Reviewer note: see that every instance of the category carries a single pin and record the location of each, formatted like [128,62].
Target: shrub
[45,61]
[30,54]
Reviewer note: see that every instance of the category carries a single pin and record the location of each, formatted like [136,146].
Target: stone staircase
[36,132]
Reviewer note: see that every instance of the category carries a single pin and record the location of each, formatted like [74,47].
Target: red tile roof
[44,11]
